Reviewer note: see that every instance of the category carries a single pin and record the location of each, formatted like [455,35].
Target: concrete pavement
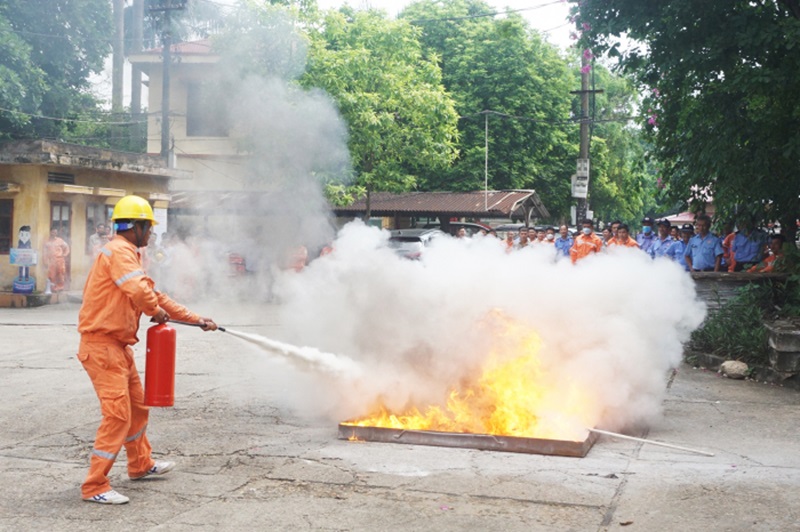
[248,459]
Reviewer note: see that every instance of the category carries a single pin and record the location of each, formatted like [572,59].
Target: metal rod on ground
[652,442]
[194,324]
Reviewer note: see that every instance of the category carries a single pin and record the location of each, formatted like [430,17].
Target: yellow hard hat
[133,208]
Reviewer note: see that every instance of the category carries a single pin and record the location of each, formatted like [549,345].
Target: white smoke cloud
[612,325]
[288,138]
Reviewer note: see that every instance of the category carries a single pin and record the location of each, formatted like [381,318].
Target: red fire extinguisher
[159,372]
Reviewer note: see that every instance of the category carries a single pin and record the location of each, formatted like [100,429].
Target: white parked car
[410,243]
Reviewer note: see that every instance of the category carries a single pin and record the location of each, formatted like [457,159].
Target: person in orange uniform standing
[56,252]
[774,259]
[116,294]
[585,243]
[623,238]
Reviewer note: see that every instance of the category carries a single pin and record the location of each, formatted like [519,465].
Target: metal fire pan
[482,442]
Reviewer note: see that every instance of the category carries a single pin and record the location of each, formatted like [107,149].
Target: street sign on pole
[583,168]
[580,186]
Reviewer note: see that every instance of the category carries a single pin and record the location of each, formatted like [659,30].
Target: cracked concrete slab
[249,459]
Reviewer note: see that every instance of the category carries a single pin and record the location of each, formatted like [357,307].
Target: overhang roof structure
[64,155]
[479,204]
[189,52]
[498,204]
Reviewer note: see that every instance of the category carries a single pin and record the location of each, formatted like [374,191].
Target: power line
[515,117]
[482,15]
[76,120]
[575,120]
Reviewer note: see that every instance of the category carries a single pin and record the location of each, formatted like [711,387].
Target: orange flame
[513,396]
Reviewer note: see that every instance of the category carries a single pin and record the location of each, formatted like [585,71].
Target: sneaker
[109,497]
[159,468]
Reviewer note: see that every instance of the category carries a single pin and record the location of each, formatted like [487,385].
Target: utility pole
[580,181]
[166,7]
[136,46]
[138,133]
[486,160]
[118,56]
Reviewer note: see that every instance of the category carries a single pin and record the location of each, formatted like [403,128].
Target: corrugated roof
[491,204]
[501,203]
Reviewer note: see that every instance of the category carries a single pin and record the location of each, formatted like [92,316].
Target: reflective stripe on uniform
[135,436]
[103,454]
[106,252]
[127,276]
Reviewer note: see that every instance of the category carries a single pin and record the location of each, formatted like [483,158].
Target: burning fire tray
[482,442]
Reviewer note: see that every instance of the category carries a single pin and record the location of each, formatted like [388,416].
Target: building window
[60,219]
[205,114]
[6,228]
[60,178]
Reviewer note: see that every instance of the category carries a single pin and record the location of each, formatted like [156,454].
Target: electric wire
[133,40]
[74,120]
[483,15]
[575,120]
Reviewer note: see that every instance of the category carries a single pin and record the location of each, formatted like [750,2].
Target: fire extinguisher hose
[190,324]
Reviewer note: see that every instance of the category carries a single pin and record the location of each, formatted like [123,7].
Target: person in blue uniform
[704,251]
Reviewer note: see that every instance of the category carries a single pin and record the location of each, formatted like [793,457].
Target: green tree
[401,121]
[721,78]
[502,65]
[47,52]
[623,185]
[198,20]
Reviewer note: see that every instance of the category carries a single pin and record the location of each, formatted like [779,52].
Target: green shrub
[736,330]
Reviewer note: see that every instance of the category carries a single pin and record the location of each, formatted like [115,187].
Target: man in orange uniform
[56,252]
[116,294]
[774,259]
[623,238]
[585,243]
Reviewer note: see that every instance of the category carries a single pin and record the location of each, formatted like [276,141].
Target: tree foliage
[721,78]
[623,186]
[502,65]
[401,122]
[47,52]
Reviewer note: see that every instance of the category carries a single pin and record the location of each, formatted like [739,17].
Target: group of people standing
[694,248]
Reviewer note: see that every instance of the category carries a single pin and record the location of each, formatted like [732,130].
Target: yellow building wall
[32,207]
[214,170]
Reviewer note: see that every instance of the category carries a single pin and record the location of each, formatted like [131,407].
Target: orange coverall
[56,252]
[584,245]
[765,266]
[116,294]
[631,243]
